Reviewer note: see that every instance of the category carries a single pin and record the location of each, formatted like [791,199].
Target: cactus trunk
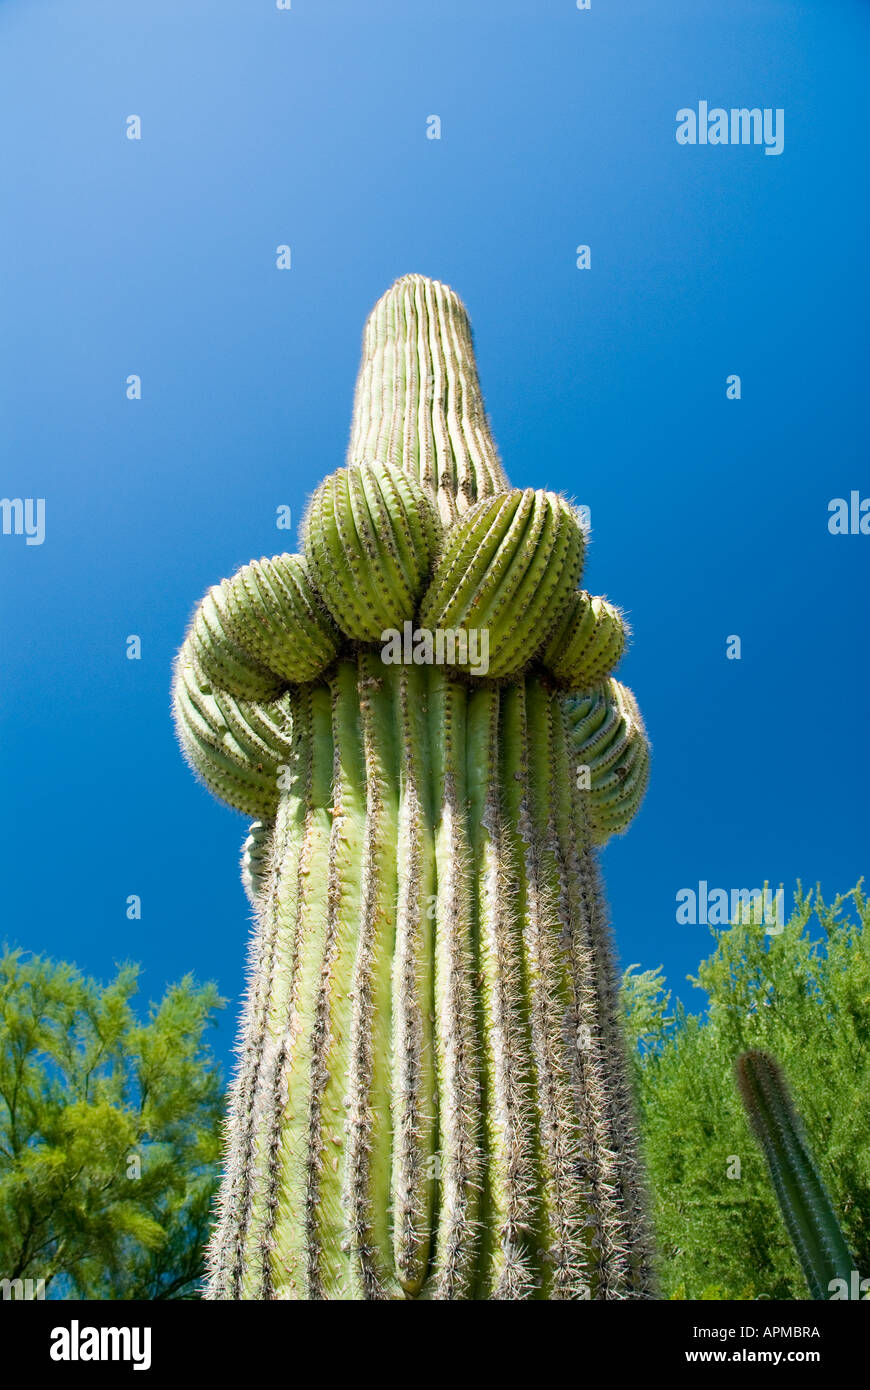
[432,1096]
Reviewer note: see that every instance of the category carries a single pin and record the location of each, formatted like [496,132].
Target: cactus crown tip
[439,288]
[415,278]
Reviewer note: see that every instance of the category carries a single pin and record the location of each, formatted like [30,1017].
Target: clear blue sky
[308,127]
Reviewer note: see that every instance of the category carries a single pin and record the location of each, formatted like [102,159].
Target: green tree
[109,1132]
[804,996]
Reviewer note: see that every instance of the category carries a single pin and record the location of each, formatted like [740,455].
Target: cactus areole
[432,1097]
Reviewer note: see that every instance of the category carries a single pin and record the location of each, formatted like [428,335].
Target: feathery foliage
[109,1132]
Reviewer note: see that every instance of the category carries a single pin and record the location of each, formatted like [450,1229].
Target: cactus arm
[608,737]
[806,1208]
[255,858]
[508,567]
[232,745]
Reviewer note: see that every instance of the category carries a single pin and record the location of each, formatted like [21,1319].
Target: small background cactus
[806,1208]
[432,1097]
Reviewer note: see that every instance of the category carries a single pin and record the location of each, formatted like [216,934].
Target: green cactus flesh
[803,1200]
[432,1097]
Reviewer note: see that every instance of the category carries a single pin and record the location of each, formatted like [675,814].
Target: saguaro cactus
[803,1200]
[431,1097]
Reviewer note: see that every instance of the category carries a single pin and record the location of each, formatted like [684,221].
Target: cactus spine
[431,1097]
[805,1205]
